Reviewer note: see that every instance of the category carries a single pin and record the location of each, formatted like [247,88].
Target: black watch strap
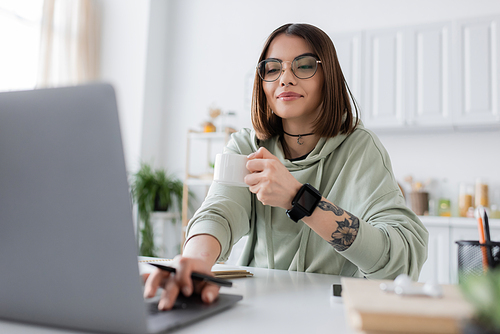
[296,213]
[304,202]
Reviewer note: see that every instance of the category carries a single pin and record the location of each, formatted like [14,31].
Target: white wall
[209,51]
[123,62]
[155,82]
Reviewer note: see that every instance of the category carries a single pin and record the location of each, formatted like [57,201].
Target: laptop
[68,255]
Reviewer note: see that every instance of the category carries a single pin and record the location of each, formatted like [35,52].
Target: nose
[287,77]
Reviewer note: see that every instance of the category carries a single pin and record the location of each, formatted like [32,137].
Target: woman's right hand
[200,253]
[180,281]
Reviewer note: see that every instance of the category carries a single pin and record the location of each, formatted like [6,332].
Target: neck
[295,128]
[295,150]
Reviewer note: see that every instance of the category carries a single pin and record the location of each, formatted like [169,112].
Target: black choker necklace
[299,137]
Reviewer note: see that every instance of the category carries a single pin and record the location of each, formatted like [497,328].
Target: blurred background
[173,61]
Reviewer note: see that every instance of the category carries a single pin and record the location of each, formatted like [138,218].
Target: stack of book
[371,310]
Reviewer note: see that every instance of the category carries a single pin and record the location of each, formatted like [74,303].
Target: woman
[307,147]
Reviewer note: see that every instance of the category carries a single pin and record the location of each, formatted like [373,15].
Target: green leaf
[147,185]
[483,292]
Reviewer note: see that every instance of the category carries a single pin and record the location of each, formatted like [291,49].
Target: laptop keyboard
[180,304]
[153,307]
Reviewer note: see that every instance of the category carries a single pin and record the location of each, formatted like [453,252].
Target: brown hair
[336,114]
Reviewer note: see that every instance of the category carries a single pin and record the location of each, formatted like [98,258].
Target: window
[20,24]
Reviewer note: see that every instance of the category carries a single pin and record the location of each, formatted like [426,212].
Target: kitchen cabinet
[459,233]
[477,71]
[442,260]
[428,68]
[442,75]
[348,47]
[437,265]
[408,77]
[384,78]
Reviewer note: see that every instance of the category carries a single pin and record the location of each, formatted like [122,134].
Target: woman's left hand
[270,180]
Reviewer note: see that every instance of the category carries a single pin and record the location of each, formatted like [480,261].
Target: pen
[488,240]
[482,239]
[197,276]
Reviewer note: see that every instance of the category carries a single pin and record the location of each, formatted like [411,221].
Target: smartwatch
[304,203]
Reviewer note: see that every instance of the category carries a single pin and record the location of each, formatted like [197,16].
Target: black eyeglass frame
[263,62]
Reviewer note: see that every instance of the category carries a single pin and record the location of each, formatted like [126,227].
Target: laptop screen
[68,251]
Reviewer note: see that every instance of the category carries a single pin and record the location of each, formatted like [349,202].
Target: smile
[289,96]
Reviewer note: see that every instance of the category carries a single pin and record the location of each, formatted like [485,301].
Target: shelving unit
[199,179]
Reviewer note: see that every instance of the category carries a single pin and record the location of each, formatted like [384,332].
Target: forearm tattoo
[326,206]
[347,228]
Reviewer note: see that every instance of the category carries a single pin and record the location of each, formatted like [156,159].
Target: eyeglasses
[303,67]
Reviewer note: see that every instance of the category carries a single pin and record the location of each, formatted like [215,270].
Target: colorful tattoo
[347,229]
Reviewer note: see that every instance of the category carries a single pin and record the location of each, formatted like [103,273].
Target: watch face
[308,200]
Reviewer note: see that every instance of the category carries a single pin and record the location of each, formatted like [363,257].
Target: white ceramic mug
[230,169]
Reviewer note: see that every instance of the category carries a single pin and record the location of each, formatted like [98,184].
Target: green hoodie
[354,172]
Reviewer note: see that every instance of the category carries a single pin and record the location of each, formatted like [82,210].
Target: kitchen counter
[455,221]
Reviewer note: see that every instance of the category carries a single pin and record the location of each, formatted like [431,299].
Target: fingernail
[187,291]
[250,155]
[210,297]
[162,304]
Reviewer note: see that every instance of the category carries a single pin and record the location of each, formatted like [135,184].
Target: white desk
[274,301]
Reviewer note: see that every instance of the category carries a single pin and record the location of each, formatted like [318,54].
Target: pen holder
[475,258]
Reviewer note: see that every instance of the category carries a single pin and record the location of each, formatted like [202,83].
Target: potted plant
[153,190]
[483,292]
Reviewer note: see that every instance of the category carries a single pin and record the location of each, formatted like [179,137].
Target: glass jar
[481,194]
[464,199]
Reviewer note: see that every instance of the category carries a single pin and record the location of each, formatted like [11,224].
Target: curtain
[69,44]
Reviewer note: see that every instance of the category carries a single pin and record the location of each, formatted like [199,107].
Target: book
[371,310]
